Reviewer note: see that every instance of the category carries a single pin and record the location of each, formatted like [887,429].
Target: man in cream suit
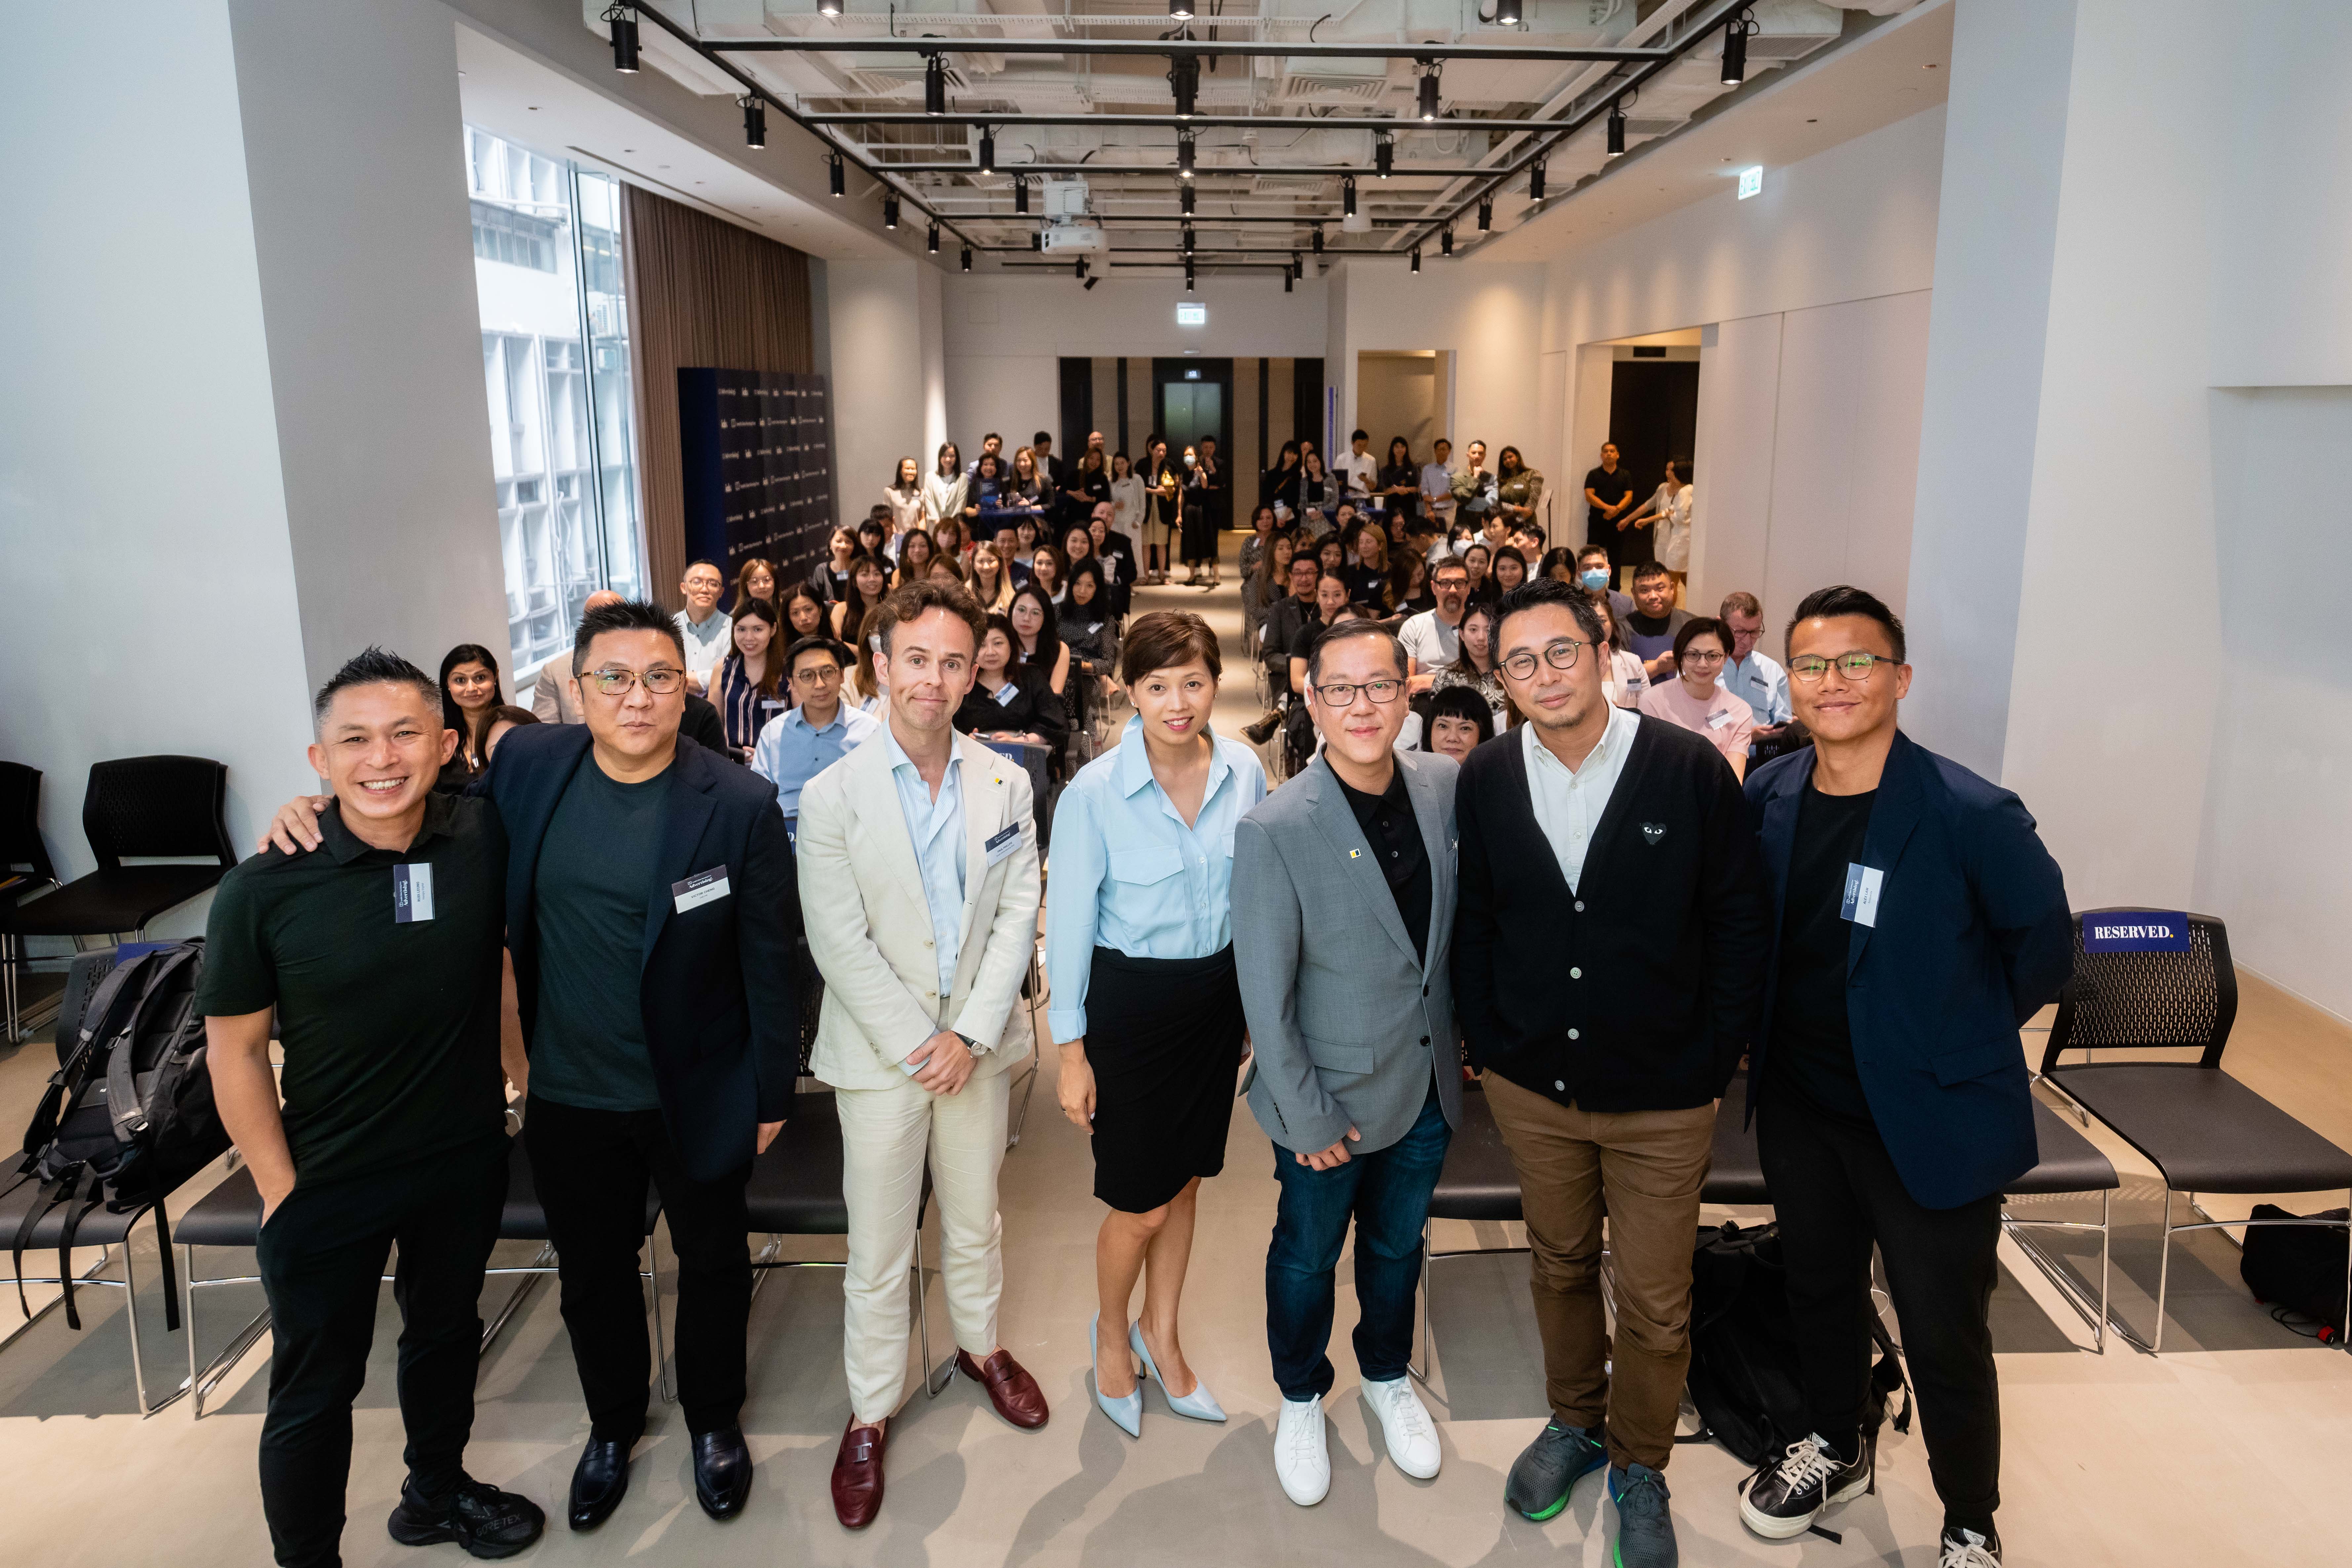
[918,858]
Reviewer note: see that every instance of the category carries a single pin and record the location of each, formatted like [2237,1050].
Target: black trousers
[320,1257]
[592,1167]
[1835,1191]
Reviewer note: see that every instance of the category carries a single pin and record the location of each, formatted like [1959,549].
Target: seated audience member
[948,571]
[1527,538]
[1409,589]
[990,584]
[1651,624]
[915,550]
[1592,574]
[1009,701]
[469,691]
[1478,558]
[1432,639]
[703,624]
[1020,549]
[805,613]
[1331,606]
[1287,624]
[1508,570]
[865,688]
[1624,681]
[1458,723]
[1038,637]
[868,581]
[1559,565]
[1331,555]
[749,683]
[394,1123]
[701,724]
[553,697]
[1368,577]
[1116,551]
[811,736]
[1076,543]
[829,577]
[1265,585]
[503,718]
[1475,666]
[951,540]
[1086,628]
[877,538]
[1047,575]
[993,505]
[1751,674]
[755,579]
[1263,528]
[1695,700]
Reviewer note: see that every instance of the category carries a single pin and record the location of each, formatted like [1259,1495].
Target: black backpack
[129,1115]
[2297,1270]
[1745,1379]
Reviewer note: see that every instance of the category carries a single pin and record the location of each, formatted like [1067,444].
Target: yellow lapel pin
[1355,854]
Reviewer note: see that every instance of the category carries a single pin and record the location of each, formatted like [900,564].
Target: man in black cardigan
[1607,968]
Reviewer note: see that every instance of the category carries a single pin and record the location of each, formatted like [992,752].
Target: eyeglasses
[1343,695]
[1855,666]
[1695,656]
[1560,655]
[661,680]
[818,673]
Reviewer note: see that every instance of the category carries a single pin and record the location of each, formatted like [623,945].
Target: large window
[555,360]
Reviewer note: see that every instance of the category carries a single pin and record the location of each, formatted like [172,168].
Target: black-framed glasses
[818,673]
[661,680]
[1559,654]
[1343,694]
[1810,667]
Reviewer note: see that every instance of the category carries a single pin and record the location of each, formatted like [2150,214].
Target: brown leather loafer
[857,1475]
[1011,1389]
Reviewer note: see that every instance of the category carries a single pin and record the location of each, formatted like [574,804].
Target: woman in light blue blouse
[1143,998]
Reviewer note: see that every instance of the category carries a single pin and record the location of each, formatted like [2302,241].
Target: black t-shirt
[391,1027]
[593,883]
[1394,835]
[1611,487]
[1812,1050]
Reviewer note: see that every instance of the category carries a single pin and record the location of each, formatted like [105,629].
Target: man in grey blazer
[1343,912]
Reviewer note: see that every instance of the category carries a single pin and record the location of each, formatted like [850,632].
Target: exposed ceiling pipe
[1434,50]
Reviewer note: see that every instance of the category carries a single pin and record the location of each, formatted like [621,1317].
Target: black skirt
[1164,1038]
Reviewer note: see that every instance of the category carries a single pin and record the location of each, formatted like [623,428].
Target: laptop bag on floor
[2299,1268]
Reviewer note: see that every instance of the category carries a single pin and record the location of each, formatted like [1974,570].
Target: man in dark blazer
[1608,962]
[1919,922]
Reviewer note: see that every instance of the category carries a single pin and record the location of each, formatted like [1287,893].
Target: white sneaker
[1405,1425]
[1301,1461]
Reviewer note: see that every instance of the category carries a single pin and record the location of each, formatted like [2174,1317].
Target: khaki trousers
[1643,1170]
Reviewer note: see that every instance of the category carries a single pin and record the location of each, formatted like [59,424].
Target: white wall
[152,602]
[1490,315]
[874,320]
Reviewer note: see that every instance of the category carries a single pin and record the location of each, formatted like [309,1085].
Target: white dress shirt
[1360,469]
[935,824]
[707,644]
[1568,804]
[1760,682]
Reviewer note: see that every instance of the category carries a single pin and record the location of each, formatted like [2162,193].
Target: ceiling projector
[1070,225]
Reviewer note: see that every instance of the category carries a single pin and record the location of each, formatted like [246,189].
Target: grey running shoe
[1645,1530]
[1542,1476]
[1784,1498]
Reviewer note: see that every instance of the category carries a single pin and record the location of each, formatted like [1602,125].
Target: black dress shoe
[722,1471]
[599,1481]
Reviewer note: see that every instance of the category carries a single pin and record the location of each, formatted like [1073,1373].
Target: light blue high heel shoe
[1125,1414]
[1198,1405]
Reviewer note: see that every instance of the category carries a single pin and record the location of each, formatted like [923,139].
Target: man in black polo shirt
[1608,495]
[381,951]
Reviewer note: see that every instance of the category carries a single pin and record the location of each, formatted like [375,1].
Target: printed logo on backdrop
[2136,930]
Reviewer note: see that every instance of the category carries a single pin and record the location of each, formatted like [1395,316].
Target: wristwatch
[974,1047]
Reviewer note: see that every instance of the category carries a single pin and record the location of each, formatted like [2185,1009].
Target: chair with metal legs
[25,869]
[111,1234]
[1033,998]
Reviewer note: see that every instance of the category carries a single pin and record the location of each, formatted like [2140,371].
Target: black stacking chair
[146,807]
[230,1215]
[1478,1183]
[24,870]
[795,1190]
[2204,1129]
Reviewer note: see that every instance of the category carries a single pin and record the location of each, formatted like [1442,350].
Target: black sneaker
[1967,1549]
[483,1520]
[1784,1497]
[1548,1470]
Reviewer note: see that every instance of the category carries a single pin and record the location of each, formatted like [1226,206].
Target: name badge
[1718,718]
[772,703]
[1862,885]
[702,888]
[1003,842]
[1006,693]
[411,893]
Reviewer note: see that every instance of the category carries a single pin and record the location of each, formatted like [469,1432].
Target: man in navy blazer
[1918,922]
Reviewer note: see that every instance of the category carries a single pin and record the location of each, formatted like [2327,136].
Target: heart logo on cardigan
[1653,831]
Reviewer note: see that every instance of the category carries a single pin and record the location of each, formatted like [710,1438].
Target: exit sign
[1192,315]
[1751,181]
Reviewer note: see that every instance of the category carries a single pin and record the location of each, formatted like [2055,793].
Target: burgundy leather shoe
[857,1475]
[1011,1389]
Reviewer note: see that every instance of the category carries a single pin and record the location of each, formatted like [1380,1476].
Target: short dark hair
[374,666]
[1534,530]
[1309,558]
[1600,549]
[712,564]
[816,644]
[1649,569]
[910,601]
[1451,563]
[1534,594]
[628,615]
[1360,435]
[1846,600]
[1165,638]
[1465,702]
[1701,626]
[1350,631]
[1042,438]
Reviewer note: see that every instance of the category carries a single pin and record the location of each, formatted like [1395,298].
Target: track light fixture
[1446,241]
[1735,47]
[1535,181]
[1185,154]
[828,7]
[1486,214]
[1285,281]
[1347,204]
[1507,12]
[1297,267]
[755,121]
[1184,201]
[1188,275]
[934,237]
[1184,80]
[1616,124]
[935,84]
[838,175]
[987,150]
[1188,239]
[890,209]
[1416,262]
[1089,284]
[1037,239]
[1019,194]
[967,258]
[1180,10]
[1429,90]
[1079,270]
[1319,239]
[1384,153]
[624,24]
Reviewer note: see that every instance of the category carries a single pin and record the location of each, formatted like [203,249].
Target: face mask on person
[1595,581]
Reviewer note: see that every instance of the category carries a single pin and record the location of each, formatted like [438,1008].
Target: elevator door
[1195,408]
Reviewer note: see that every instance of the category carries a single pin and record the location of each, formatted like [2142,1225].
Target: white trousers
[884,1134]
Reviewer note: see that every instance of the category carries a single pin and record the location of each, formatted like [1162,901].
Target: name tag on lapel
[1862,885]
[702,888]
[1718,718]
[411,893]
[1003,842]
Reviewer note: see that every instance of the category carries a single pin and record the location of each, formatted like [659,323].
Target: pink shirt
[1723,719]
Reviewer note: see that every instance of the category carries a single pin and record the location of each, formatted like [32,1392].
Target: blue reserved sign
[2136,930]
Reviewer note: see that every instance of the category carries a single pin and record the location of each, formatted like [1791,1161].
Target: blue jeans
[1387,1193]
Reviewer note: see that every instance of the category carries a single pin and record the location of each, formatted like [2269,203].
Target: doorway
[1652,415]
[1193,398]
